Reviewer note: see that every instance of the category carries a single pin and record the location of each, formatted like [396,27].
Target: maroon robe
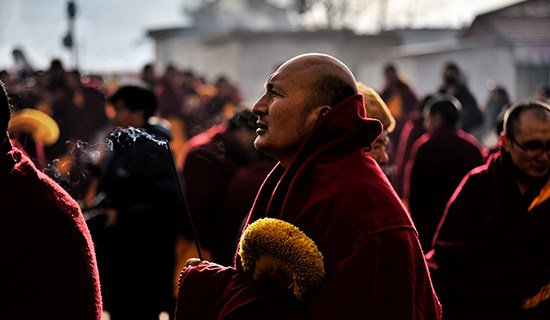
[491,253]
[413,128]
[48,268]
[209,164]
[437,165]
[338,196]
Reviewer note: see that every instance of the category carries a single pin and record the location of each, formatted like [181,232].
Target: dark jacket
[471,115]
[491,253]
[437,165]
[136,256]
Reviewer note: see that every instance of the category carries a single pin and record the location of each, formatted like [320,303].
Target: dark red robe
[338,196]
[48,268]
[437,165]
[491,253]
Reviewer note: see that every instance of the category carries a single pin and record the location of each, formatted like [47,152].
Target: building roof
[239,14]
[410,36]
[527,22]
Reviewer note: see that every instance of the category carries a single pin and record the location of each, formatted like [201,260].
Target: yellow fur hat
[376,107]
[283,243]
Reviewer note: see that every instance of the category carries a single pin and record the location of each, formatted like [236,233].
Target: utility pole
[69,39]
[382,15]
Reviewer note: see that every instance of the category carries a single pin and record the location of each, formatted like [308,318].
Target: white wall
[248,61]
[424,72]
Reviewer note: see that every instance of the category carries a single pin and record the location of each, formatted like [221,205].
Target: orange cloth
[543,196]
[395,104]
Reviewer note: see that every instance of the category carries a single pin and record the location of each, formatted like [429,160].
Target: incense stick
[195,237]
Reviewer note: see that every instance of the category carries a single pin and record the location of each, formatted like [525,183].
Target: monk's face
[531,131]
[379,152]
[285,114]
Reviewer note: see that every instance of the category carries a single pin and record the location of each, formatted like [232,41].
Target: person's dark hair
[502,93]
[390,67]
[170,68]
[451,65]
[148,67]
[245,118]
[331,90]
[56,64]
[512,115]
[5,112]
[428,98]
[136,98]
[447,106]
[499,124]
[543,91]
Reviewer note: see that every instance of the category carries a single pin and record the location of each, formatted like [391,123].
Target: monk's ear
[322,111]
[504,141]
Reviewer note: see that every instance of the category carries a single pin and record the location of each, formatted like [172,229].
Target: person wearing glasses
[491,256]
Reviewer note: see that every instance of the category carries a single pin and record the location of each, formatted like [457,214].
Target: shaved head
[331,81]
[297,95]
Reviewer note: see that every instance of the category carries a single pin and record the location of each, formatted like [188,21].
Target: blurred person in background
[377,109]
[439,160]
[412,130]
[134,213]
[491,256]
[454,84]
[217,103]
[497,102]
[239,197]
[23,67]
[211,159]
[543,93]
[148,76]
[401,99]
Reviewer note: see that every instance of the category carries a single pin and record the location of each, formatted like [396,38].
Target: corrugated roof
[522,30]
[527,22]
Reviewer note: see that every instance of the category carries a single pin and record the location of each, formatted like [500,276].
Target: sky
[111,36]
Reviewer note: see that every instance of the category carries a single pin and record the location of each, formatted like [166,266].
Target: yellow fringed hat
[285,243]
[376,107]
[42,127]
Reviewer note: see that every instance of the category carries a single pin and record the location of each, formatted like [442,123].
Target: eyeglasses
[533,147]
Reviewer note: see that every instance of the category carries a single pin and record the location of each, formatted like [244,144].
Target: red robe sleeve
[370,279]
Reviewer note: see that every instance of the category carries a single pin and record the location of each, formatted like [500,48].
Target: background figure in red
[491,256]
[439,160]
[412,130]
[148,77]
[169,94]
[48,265]
[239,198]
[471,119]
[401,99]
[219,100]
[211,160]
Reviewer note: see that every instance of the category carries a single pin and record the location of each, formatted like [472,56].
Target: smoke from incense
[124,138]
